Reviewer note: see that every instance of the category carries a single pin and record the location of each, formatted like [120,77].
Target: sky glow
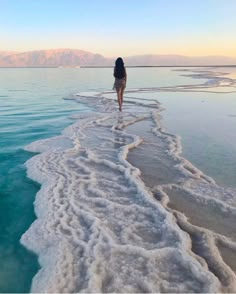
[125,27]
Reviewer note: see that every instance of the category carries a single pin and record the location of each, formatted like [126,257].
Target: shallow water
[102,224]
[31,109]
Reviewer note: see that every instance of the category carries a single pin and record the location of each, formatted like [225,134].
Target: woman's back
[119,70]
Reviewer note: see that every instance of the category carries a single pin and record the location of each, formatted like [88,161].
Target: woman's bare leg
[119,98]
[121,95]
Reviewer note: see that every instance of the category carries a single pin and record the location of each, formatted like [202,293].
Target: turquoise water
[32,108]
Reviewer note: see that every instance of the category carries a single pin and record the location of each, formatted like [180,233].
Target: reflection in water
[118,139]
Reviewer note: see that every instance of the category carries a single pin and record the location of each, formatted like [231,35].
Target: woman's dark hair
[119,70]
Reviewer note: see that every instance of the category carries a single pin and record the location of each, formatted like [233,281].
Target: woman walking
[120,80]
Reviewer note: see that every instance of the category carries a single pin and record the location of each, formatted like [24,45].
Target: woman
[120,80]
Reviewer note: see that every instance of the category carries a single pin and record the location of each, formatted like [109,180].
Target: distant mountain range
[74,57]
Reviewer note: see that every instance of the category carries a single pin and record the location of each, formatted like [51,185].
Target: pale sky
[124,27]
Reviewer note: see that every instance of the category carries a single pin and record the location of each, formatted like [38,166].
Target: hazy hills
[73,57]
[51,58]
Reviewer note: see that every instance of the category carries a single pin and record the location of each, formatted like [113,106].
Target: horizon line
[110,66]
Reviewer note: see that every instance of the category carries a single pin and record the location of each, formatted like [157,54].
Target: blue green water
[32,108]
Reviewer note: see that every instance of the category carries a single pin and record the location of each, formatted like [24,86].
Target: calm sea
[35,105]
